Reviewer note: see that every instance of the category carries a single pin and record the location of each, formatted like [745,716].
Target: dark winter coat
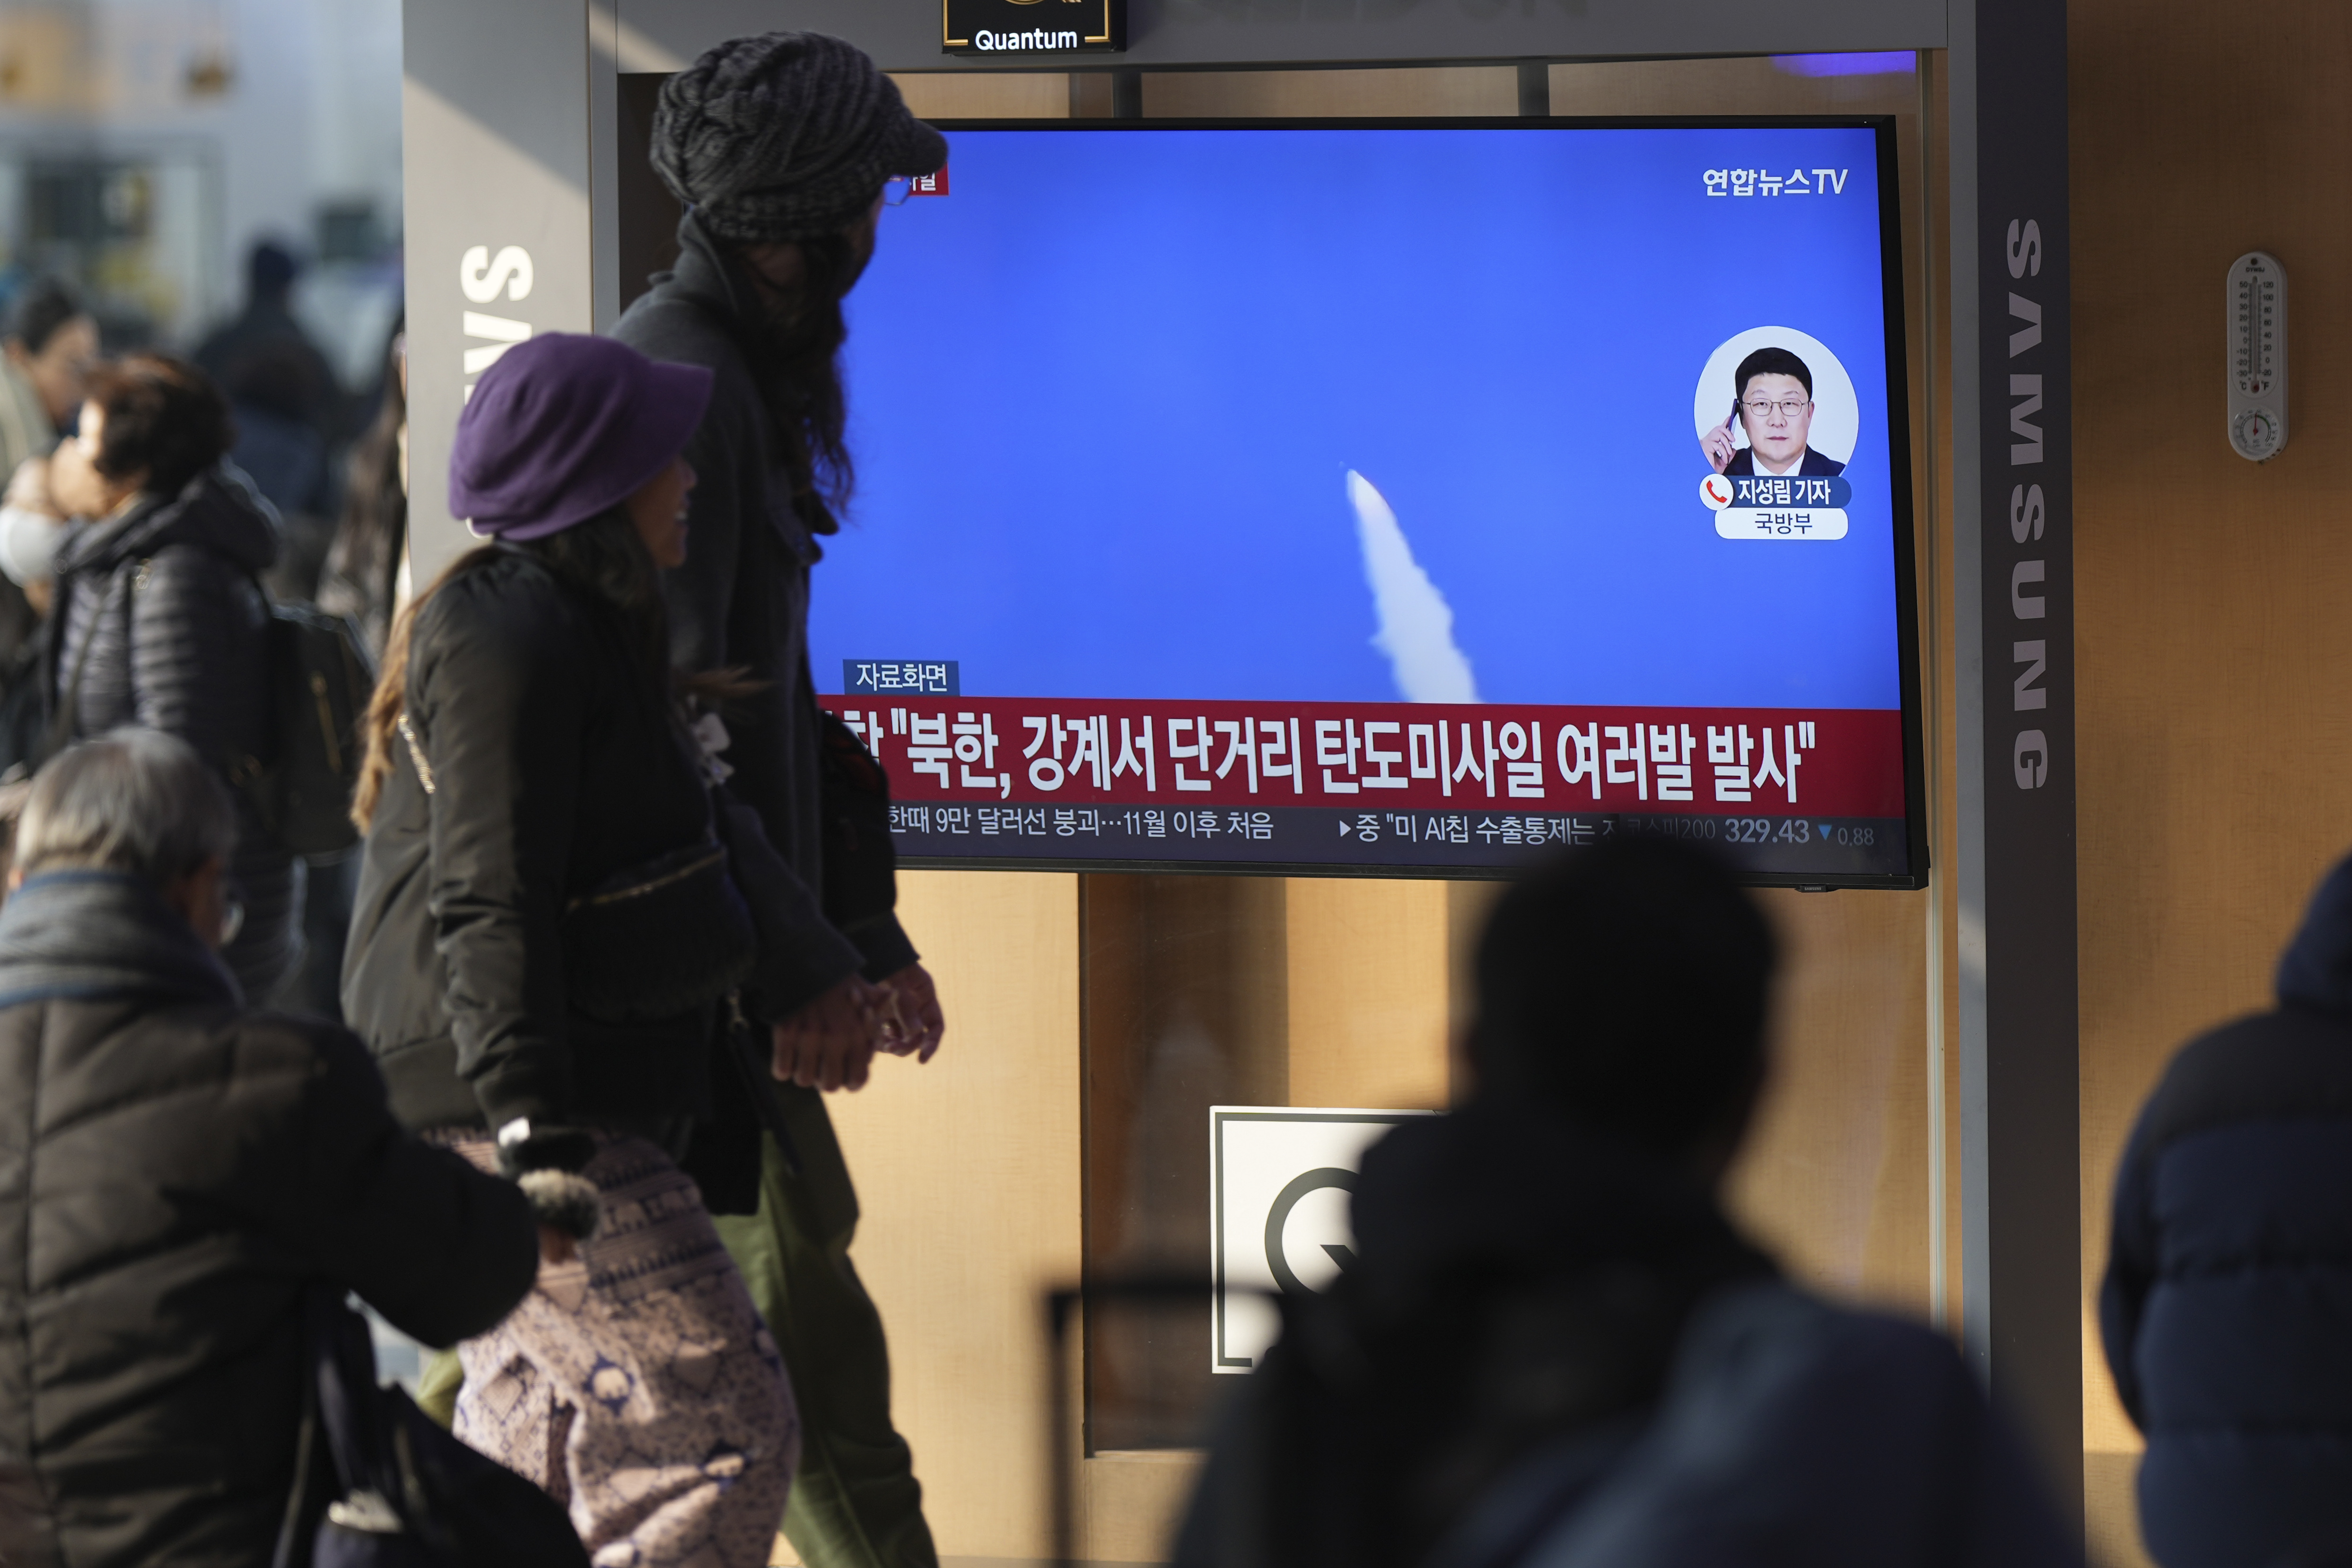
[556,766]
[175,1174]
[742,600]
[2227,1308]
[162,622]
[1537,1319]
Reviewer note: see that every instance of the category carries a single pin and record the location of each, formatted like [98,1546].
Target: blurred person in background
[281,450]
[1553,1348]
[364,578]
[782,148]
[290,412]
[367,566]
[51,343]
[266,333]
[561,923]
[2227,1307]
[160,620]
[31,524]
[176,1175]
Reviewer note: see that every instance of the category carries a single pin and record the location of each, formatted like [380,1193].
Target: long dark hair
[796,364]
[602,558]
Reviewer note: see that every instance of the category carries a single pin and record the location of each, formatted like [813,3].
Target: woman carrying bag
[551,934]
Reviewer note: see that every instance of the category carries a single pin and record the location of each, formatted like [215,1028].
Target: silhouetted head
[270,270]
[1626,986]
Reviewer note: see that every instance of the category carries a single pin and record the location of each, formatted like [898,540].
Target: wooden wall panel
[1453,89]
[2213,645]
[1369,995]
[968,1171]
[998,95]
[1751,86]
[1834,1178]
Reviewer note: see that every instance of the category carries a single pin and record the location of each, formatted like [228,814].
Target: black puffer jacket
[162,620]
[174,1175]
[2229,1286]
[555,767]
[742,600]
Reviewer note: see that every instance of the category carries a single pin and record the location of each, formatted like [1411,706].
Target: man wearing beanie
[779,147]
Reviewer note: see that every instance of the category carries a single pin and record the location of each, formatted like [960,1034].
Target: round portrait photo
[1774,400]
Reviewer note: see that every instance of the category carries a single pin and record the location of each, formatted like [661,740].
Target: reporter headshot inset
[1775,401]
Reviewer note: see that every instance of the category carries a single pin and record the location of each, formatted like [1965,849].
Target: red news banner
[1829,762]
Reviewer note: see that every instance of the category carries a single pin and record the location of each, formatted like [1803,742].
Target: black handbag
[378,1485]
[651,941]
[658,939]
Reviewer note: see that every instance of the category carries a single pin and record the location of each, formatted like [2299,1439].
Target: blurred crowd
[250,454]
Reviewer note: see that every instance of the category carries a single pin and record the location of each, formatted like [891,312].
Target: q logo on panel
[1281,1181]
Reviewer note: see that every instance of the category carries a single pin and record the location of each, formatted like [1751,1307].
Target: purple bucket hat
[564,426]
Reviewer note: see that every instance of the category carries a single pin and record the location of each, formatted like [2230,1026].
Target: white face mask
[28,545]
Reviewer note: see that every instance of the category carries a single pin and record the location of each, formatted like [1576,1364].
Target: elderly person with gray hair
[176,1174]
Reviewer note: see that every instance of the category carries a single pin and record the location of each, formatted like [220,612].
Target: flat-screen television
[1389,497]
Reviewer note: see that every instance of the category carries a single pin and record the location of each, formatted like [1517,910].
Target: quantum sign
[1033,26]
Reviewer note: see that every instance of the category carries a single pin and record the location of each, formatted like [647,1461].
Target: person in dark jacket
[2227,1306]
[177,1173]
[1553,1348]
[160,619]
[265,331]
[782,146]
[556,915]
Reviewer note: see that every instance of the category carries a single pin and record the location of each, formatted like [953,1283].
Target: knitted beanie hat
[785,136]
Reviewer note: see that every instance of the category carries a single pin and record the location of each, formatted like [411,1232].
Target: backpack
[377,1484]
[320,681]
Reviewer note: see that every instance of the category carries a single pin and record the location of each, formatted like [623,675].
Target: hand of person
[556,1246]
[1717,445]
[830,1043]
[920,1024]
[76,487]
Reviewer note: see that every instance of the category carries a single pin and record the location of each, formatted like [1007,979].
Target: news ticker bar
[1827,763]
[1778,845]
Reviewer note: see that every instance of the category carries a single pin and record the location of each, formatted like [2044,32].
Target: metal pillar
[2012,532]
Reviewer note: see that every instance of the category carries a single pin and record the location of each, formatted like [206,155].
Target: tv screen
[1405,499]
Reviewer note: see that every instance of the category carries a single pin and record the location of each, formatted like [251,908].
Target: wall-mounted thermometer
[2257,356]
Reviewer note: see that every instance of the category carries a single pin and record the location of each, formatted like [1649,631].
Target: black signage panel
[991,27]
[2021,1059]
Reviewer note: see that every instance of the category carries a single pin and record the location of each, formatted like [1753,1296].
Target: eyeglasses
[896,190]
[232,920]
[1789,407]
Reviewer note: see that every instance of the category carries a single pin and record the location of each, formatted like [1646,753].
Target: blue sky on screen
[1107,395]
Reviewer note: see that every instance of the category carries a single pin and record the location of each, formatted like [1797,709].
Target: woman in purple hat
[552,942]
